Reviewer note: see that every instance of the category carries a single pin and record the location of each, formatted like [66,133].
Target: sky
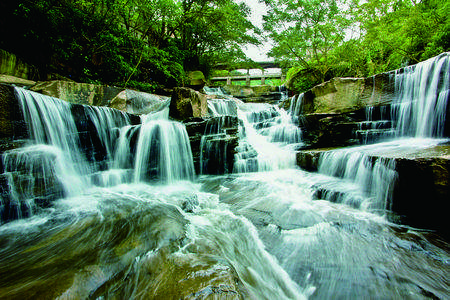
[257,53]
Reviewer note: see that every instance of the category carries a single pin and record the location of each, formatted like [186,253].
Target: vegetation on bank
[152,44]
[146,44]
[322,39]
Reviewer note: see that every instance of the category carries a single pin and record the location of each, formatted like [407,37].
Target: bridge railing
[249,77]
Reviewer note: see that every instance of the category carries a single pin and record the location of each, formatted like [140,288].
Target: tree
[139,43]
[306,32]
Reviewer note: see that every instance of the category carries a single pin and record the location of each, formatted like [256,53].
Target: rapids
[115,211]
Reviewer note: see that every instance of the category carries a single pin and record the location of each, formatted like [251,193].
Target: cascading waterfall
[419,109]
[266,135]
[295,109]
[50,121]
[78,147]
[163,152]
[422,95]
[375,177]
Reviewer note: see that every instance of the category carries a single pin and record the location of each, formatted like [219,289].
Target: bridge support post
[228,80]
[247,81]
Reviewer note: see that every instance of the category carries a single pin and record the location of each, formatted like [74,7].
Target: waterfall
[50,121]
[418,110]
[422,93]
[107,210]
[295,109]
[222,107]
[216,145]
[163,152]
[76,147]
[374,176]
[266,135]
[375,128]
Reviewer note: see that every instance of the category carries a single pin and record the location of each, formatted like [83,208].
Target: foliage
[307,30]
[299,79]
[137,43]
[324,39]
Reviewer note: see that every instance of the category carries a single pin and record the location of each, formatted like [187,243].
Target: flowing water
[133,221]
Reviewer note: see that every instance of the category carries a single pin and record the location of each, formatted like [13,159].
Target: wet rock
[308,160]
[79,93]
[219,138]
[422,193]
[328,130]
[340,95]
[12,124]
[189,203]
[138,103]
[187,103]
[8,79]
[422,188]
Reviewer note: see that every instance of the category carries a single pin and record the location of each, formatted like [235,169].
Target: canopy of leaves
[328,38]
[142,43]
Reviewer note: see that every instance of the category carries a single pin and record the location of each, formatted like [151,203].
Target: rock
[79,93]
[422,192]
[8,79]
[29,182]
[338,95]
[189,203]
[12,124]
[196,80]
[328,130]
[187,103]
[257,93]
[422,188]
[138,103]
[308,160]
[226,142]
[120,101]
[15,67]
[342,95]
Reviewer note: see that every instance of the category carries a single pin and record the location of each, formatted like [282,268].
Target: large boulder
[138,103]
[196,80]
[79,93]
[187,103]
[340,95]
[8,79]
